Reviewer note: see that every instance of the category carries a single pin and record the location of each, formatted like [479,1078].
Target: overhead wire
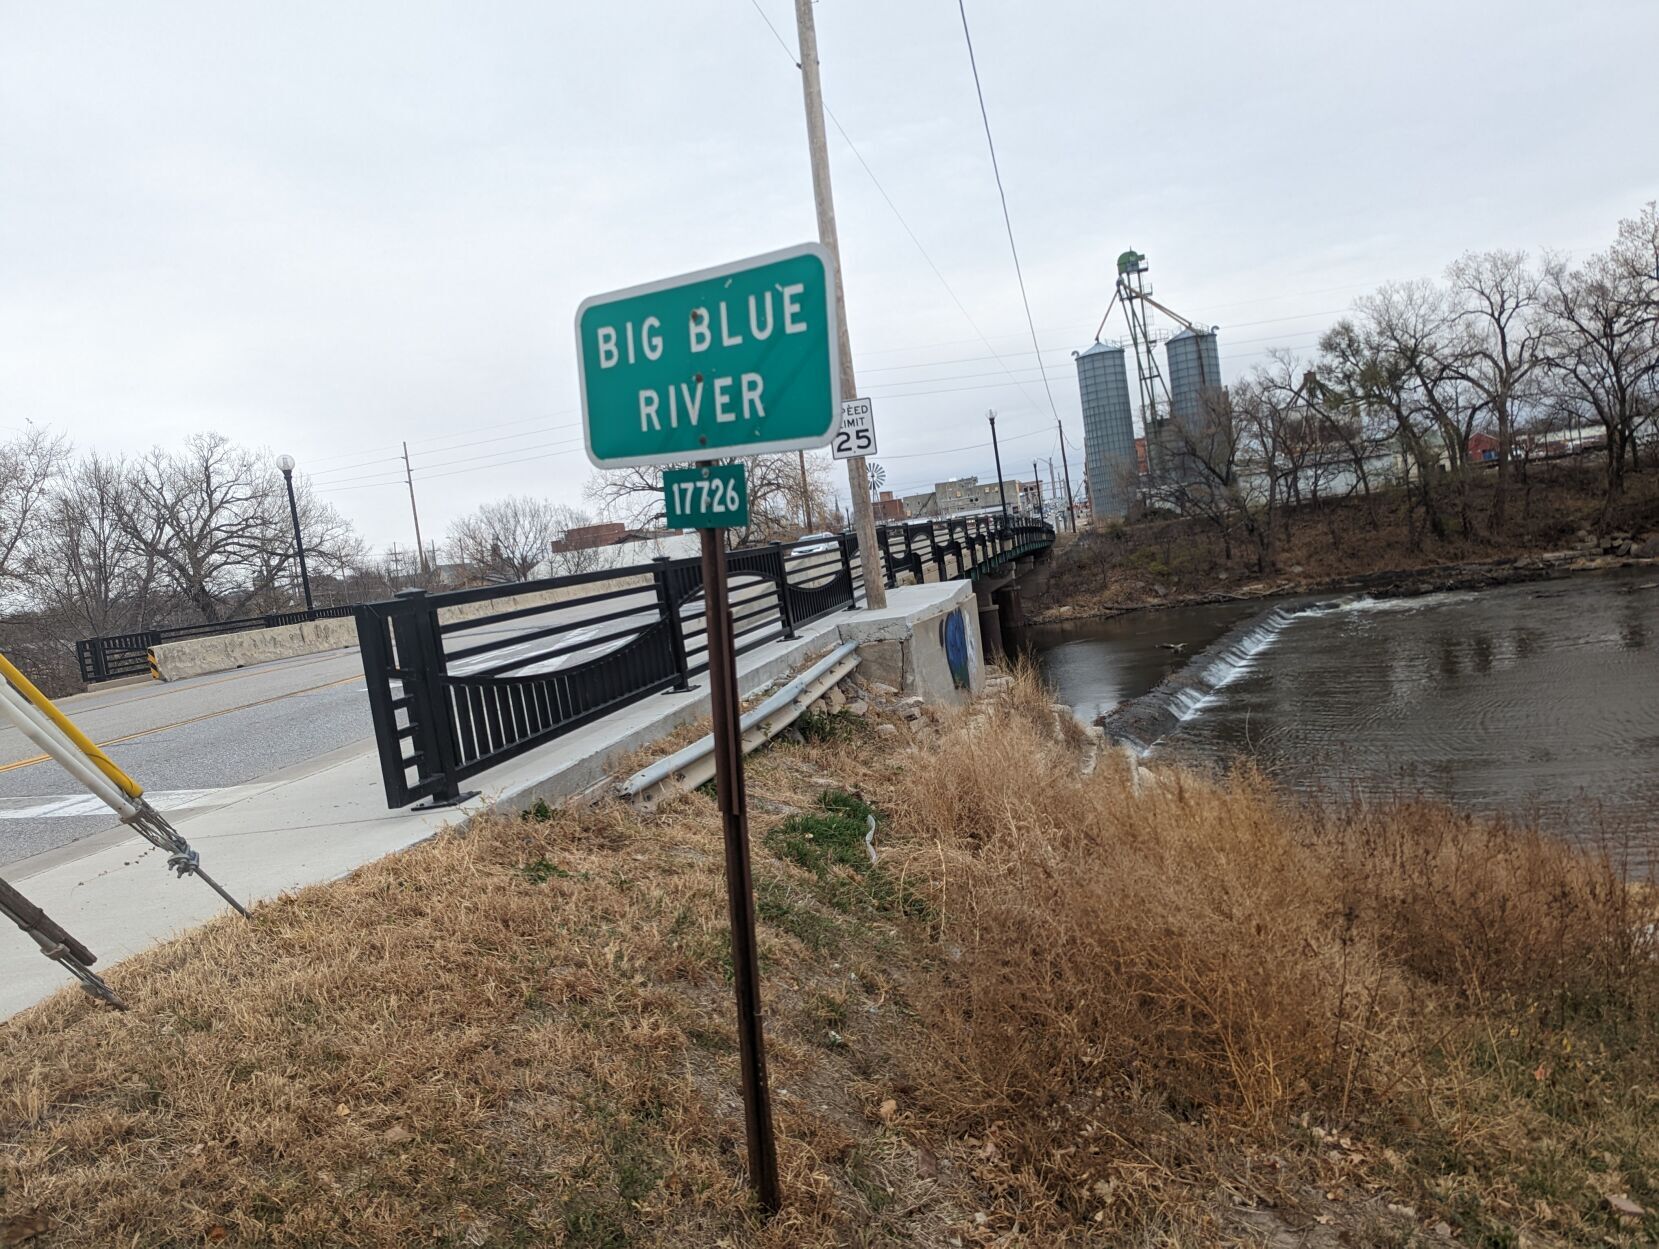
[967,316]
[1002,195]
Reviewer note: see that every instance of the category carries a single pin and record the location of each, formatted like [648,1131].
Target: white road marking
[60,806]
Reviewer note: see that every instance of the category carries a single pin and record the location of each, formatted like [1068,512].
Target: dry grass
[1057,1011]
[1210,953]
[522,1035]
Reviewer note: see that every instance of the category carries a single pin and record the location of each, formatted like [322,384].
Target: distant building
[887,508]
[969,494]
[1194,361]
[1108,431]
[923,504]
[610,533]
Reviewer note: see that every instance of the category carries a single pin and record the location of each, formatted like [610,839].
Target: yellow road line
[178,724]
[69,729]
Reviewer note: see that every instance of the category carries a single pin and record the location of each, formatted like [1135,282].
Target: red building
[582,537]
[887,508]
[1483,447]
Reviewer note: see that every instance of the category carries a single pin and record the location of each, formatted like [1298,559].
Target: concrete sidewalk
[320,820]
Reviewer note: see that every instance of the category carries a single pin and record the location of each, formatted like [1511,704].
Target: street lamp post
[286,464]
[1002,492]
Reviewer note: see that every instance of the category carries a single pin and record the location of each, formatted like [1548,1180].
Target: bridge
[296,770]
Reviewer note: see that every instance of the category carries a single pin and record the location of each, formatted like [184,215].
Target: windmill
[878,478]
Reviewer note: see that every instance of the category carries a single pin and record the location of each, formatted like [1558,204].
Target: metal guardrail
[126,654]
[453,697]
[456,688]
[955,547]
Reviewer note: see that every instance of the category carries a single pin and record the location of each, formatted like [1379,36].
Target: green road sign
[742,359]
[710,496]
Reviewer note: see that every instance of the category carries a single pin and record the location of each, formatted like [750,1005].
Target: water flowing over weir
[1529,702]
[1143,722]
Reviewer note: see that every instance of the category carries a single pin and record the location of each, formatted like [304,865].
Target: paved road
[184,741]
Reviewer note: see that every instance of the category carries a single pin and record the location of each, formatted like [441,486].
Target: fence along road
[202,741]
[453,698]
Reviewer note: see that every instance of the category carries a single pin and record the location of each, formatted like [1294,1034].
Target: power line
[467,439]
[1234,325]
[972,446]
[888,199]
[956,390]
[1007,222]
[787,50]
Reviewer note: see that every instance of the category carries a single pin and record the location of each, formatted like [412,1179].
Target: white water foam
[1365,603]
[1201,683]
[1223,669]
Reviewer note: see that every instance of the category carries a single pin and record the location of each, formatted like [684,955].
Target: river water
[1537,701]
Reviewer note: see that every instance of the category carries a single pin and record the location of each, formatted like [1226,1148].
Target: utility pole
[409,476]
[1038,479]
[806,493]
[1002,492]
[858,477]
[1053,488]
[1071,506]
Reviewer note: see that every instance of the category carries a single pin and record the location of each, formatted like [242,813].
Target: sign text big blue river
[738,360]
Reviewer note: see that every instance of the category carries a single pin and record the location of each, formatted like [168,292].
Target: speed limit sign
[856,434]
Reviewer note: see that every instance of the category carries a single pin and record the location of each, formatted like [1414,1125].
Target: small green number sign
[710,496]
[743,359]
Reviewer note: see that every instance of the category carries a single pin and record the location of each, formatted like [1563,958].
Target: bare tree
[209,515]
[776,495]
[1602,347]
[1202,475]
[1406,353]
[506,539]
[28,464]
[83,567]
[213,517]
[1501,346]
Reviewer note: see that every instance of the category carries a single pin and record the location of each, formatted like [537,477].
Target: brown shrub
[1238,955]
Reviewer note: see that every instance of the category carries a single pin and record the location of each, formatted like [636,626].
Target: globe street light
[286,464]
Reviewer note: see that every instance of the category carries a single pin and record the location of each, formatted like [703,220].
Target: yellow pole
[85,744]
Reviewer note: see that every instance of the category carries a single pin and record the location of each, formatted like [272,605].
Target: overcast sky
[326,227]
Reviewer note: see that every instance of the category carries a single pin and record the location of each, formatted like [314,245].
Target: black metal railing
[456,688]
[126,654]
[953,547]
[461,681]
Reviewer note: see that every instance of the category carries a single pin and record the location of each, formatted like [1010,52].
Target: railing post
[786,617]
[848,543]
[912,557]
[377,677]
[883,538]
[420,660]
[671,618]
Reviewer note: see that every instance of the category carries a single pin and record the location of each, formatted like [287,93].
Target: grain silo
[1108,431]
[1194,369]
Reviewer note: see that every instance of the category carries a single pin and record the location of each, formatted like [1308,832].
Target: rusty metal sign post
[740,886]
[712,498]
